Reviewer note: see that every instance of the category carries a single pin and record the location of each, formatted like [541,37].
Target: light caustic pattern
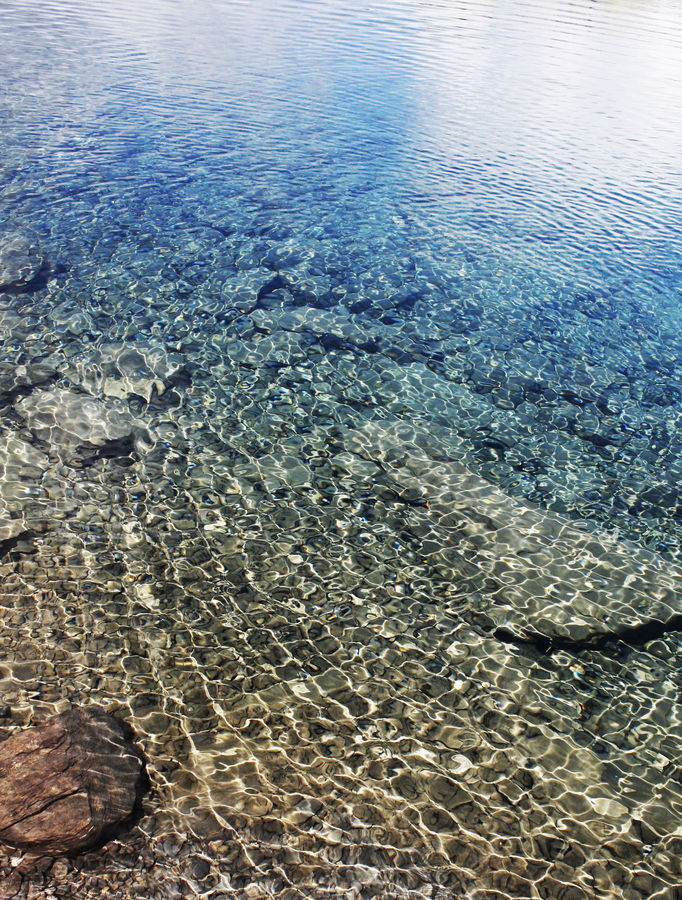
[340,450]
[300,625]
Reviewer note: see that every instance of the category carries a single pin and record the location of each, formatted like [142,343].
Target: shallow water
[341,399]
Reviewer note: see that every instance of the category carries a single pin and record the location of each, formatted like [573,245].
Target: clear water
[341,447]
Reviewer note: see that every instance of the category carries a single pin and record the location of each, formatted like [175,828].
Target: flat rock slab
[554,579]
[67,784]
[117,370]
[67,419]
[20,464]
[316,321]
[20,261]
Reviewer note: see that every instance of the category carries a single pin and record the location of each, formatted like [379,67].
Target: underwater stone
[315,321]
[20,462]
[17,381]
[67,784]
[555,580]
[117,370]
[20,261]
[67,418]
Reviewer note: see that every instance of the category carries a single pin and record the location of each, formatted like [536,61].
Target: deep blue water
[299,262]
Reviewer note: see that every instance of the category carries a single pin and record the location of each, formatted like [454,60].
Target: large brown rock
[67,784]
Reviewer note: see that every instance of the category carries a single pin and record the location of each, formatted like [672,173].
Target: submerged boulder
[20,464]
[66,418]
[118,370]
[546,579]
[20,261]
[67,784]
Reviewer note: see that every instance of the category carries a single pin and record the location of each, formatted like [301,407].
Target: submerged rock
[117,370]
[20,464]
[20,261]
[67,418]
[67,784]
[316,321]
[548,578]
[17,381]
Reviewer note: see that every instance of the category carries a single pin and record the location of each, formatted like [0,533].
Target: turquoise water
[341,397]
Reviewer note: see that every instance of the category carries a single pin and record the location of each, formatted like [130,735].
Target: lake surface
[341,438]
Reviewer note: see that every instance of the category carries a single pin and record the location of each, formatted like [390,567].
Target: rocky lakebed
[386,603]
